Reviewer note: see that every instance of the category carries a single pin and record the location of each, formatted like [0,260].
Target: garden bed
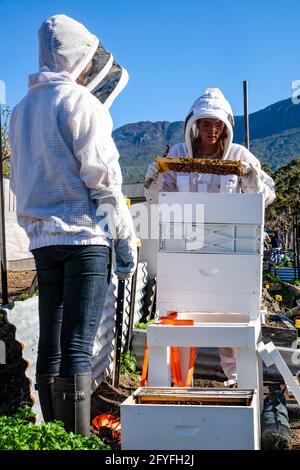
[278,330]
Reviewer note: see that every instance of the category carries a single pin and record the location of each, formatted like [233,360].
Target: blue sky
[172,49]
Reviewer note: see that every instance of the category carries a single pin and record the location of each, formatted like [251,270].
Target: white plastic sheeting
[142,279]
[102,360]
[24,316]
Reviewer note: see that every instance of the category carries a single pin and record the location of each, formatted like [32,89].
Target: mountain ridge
[274,138]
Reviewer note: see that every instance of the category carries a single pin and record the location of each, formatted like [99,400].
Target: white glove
[115,215]
[251,181]
[152,172]
[125,244]
[126,258]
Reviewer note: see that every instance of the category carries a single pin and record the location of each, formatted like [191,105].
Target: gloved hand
[152,175]
[115,214]
[152,172]
[126,258]
[251,181]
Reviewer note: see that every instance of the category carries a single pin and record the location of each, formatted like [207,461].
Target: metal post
[297,247]
[2,231]
[246,116]
[132,303]
[118,334]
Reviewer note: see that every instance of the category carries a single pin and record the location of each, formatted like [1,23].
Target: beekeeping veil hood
[65,45]
[212,105]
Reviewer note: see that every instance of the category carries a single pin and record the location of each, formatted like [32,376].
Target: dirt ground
[18,283]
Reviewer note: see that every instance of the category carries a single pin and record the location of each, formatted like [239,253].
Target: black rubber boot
[45,387]
[72,402]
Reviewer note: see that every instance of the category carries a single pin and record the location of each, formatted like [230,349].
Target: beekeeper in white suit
[67,180]
[209,133]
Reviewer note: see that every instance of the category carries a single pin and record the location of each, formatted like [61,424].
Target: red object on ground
[108,421]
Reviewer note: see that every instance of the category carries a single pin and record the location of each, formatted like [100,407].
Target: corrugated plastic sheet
[24,316]
[285,274]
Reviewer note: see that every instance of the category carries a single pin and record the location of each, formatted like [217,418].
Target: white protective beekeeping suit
[213,105]
[64,163]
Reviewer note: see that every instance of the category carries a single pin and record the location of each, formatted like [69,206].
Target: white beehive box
[188,426]
[216,265]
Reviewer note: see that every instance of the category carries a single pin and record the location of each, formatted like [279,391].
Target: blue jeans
[73,282]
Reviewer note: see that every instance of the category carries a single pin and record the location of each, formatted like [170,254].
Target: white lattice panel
[210,238]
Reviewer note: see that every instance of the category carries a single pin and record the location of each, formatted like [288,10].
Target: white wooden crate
[190,427]
[209,283]
[218,269]
[219,208]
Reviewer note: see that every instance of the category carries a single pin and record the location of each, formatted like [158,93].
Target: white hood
[211,105]
[65,45]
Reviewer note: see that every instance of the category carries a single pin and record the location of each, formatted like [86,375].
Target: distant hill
[274,134]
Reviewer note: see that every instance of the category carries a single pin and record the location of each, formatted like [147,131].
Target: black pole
[132,303]
[297,246]
[246,116]
[118,334]
[294,246]
[2,232]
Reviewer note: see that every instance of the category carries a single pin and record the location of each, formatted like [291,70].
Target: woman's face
[210,130]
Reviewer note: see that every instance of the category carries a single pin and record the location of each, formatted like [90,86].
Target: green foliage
[295,282]
[286,295]
[6,168]
[143,326]
[279,215]
[18,432]
[285,262]
[268,276]
[128,364]
[25,296]
[266,168]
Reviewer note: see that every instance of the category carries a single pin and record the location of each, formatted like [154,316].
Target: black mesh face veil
[101,63]
[106,78]
[111,85]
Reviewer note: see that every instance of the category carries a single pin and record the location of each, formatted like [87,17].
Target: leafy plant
[128,364]
[268,276]
[284,262]
[18,432]
[286,297]
[280,214]
[143,326]
[25,296]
